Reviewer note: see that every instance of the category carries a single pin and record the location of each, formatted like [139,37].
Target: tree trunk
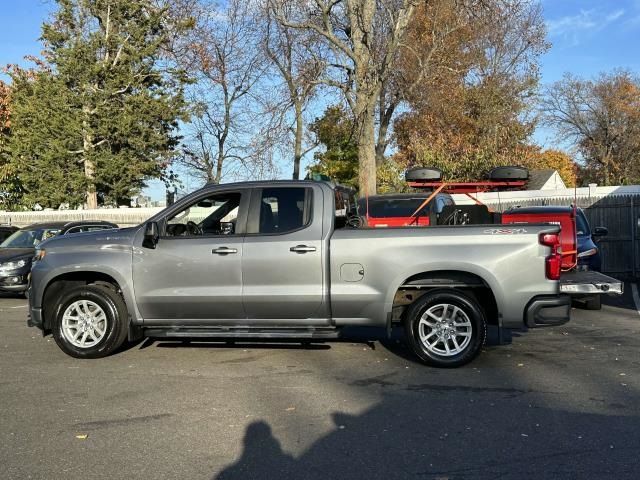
[209,167]
[365,118]
[89,165]
[367,89]
[220,161]
[385,114]
[297,153]
[222,136]
[92,195]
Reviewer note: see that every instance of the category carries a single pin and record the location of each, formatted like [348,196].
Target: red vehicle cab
[402,209]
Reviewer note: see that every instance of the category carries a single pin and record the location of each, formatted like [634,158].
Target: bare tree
[601,118]
[199,156]
[222,56]
[295,54]
[363,37]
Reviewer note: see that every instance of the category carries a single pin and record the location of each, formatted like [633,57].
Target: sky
[588,37]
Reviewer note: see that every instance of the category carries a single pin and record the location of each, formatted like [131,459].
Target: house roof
[537,178]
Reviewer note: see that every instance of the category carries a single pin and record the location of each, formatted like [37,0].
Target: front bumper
[548,310]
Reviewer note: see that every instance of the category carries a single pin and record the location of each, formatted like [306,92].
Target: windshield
[392,207]
[582,227]
[29,238]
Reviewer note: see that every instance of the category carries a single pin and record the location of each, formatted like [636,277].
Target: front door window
[210,216]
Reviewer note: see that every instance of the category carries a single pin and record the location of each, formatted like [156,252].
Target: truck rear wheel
[90,321]
[445,328]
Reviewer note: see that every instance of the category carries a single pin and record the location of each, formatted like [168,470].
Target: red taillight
[553,265]
[550,239]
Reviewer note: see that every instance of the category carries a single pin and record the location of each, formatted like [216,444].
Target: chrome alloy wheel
[445,329]
[84,323]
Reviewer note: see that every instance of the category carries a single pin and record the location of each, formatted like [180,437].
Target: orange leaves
[5,100]
[536,159]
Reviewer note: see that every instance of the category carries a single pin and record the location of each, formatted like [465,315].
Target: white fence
[589,195]
[124,217]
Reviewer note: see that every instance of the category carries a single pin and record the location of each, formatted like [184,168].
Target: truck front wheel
[90,321]
[445,328]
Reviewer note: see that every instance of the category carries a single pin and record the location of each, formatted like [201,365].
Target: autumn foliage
[601,117]
[4,107]
[474,110]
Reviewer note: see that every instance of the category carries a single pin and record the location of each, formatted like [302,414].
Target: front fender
[114,263]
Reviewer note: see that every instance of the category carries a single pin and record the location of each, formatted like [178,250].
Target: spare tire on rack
[423,174]
[509,173]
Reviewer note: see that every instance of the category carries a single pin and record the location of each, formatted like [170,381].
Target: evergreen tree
[334,131]
[43,132]
[103,119]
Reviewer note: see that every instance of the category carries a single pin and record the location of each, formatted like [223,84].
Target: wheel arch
[481,287]
[62,282]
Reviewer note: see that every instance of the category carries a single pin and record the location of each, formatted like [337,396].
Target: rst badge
[505,231]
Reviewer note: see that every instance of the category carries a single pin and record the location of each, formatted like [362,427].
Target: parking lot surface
[555,403]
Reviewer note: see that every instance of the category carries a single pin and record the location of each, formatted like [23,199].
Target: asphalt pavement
[556,403]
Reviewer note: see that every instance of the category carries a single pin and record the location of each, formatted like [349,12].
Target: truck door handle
[224,250]
[302,249]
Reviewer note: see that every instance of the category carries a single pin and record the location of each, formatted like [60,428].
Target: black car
[17,250]
[6,230]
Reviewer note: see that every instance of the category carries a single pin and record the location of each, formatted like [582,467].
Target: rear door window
[284,209]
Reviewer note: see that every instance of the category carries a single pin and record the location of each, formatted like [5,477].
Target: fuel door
[351,272]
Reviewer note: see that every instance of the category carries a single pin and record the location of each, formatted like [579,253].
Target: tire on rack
[445,328]
[423,174]
[508,173]
[90,321]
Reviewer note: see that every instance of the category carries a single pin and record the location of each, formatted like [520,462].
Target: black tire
[435,299]
[593,303]
[509,173]
[424,174]
[114,309]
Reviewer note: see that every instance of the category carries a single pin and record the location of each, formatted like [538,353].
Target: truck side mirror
[151,235]
[600,232]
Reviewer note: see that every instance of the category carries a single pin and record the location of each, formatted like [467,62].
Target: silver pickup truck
[287,259]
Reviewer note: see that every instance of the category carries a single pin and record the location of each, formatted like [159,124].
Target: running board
[240,332]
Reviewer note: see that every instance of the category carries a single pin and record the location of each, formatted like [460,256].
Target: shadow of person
[262,455]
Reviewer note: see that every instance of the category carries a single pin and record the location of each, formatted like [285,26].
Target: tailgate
[589,282]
